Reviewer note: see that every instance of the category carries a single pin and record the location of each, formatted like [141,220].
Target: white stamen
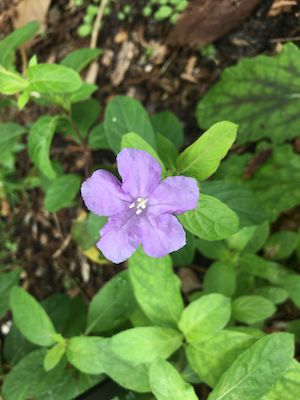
[140,204]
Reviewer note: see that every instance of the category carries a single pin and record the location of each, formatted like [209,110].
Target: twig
[63,247]
[92,73]
[288,39]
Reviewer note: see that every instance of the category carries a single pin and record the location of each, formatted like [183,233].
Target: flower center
[139,205]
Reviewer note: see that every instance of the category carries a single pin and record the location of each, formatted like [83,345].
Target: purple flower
[140,209]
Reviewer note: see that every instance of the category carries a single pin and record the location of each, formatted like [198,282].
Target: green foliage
[262,102]
[205,317]
[252,309]
[80,58]
[167,124]
[31,319]
[202,158]
[166,383]
[62,192]
[7,281]
[156,288]
[211,220]
[254,373]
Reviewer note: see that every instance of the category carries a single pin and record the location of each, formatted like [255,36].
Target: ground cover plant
[162,263]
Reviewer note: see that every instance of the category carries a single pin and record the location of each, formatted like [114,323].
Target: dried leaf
[32,10]
[207,20]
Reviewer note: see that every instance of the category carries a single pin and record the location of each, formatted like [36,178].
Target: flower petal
[174,195]
[120,237]
[103,195]
[161,234]
[140,172]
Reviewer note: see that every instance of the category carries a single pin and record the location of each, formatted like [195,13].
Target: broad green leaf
[202,158]
[83,93]
[211,220]
[14,40]
[53,78]
[7,281]
[28,379]
[256,370]
[97,138]
[276,295]
[294,327]
[85,353]
[291,283]
[167,151]
[216,250]
[167,124]
[86,232]
[156,288]
[54,355]
[39,142]
[261,268]
[259,238]
[130,376]
[186,254]
[84,115]
[212,358]
[281,175]
[205,317]
[123,115]
[112,305]
[242,201]
[30,318]
[257,94]
[281,245]
[62,192]
[239,240]
[288,386]
[220,278]
[252,309]
[11,82]
[80,58]
[155,342]
[133,141]
[166,382]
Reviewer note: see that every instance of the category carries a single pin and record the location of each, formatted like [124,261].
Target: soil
[163,78]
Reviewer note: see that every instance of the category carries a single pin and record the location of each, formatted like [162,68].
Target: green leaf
[123,115]
[239,240]
[155,342]
[212,358]
[54,355]
[163,12]
[166,382]
[281,245]
[288,386]
[28,379]
[216,250]
[84,115]
[85,353]
[259,238]
[30,318]
[14,40]
[256,371]
[262,102]
[156,288]
[252,309]
[39,142]
[130,376]
[133,141]
[7,281]
[53,78]
[167,151]
[291,283]
[167,124]
[186,254]
[276,295]
[62,192]
[112,305]
[202,158]
[205,317]
[220,278]
[83,93]
[80,58]
[11,82]
[242,201]
[211,220]
[97,138]
[261,268]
